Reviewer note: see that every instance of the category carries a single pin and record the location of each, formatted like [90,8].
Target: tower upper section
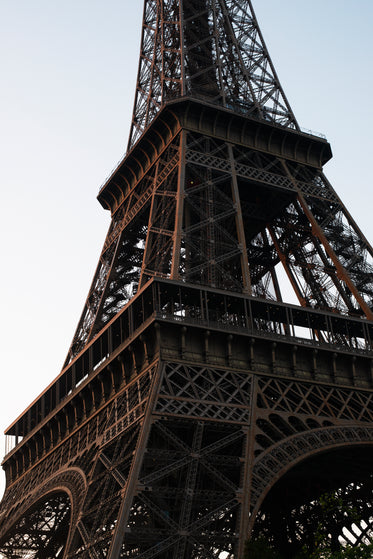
[210,50]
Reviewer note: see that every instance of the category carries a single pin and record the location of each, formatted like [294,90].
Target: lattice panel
[217,54]
[100,510]
[211,250]
[43,529]
[249,172]
[188,489]
[135,229]
[170,466]
[296,420]
[317,400]
[80,449]
[158,251]
[128,406]
[28,513]
[205,392]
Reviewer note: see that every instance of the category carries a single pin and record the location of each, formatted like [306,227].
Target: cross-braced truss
[42,532]
[194,403]
[229,216]
[209,49]
[176,459]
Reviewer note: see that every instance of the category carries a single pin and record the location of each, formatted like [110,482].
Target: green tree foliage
[346,552]
[325,545]
[260,549]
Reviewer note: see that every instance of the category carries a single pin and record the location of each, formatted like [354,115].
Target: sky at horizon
[68,72]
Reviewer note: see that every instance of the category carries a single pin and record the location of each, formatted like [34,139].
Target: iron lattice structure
[210,50]
[196,408]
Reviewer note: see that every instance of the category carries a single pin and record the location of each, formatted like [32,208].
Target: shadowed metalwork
[195,408]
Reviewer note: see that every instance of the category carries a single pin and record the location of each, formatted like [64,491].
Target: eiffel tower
[195,408]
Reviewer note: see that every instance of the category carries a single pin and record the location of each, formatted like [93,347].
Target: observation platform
[245,332]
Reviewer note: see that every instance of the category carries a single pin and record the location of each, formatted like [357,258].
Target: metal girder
[42,532]
[193,400]
[226,214]
[175,468]
[212,50]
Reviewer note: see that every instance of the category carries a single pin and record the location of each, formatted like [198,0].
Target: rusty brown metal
[193,400]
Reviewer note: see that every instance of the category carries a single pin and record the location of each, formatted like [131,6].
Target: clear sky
[68,71]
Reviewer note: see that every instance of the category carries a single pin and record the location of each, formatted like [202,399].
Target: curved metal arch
[42,531]
[289,452]
[71,481]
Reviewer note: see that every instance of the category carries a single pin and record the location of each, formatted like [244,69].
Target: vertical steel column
[239,225]
[175,266]
[129,491]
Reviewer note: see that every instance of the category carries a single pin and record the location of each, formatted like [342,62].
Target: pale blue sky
[68,71]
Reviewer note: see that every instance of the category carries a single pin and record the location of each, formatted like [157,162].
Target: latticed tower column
[193,398]
[229,196]
[209,50]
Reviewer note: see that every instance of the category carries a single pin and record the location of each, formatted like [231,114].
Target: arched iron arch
[291,465]
[42,526]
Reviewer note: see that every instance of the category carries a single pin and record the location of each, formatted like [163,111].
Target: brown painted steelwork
[193,399]
[180,357]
